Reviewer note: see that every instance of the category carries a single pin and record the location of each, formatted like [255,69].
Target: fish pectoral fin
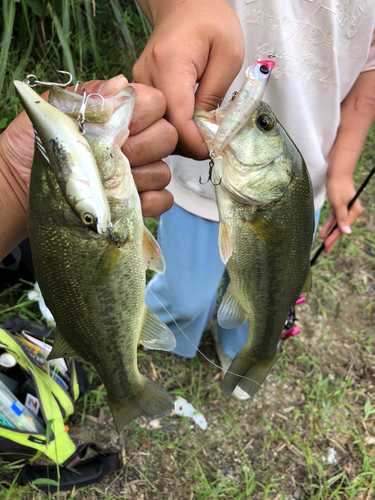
[247,373]
[264,230]
[155,334]
[107,263]
[308,283]
[225,248]
[230,313]
[61,349]
[152,257]
[149,400]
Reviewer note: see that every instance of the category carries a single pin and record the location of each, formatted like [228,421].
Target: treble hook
[113,236]
[36,82]
[82,110]
[211,165]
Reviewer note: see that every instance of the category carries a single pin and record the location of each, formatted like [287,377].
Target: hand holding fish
[151,138]
[196,41]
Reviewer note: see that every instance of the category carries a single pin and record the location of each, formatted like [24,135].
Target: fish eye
[88,219]
[265,122]
[264,69]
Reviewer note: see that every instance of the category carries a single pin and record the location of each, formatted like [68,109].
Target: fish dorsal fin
[308,282]
[155,334]
[61,349]
[264,230]
[230,313]
[225,248]
[152,256]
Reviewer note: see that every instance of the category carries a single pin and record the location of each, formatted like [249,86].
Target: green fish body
[265,202]
[94,284]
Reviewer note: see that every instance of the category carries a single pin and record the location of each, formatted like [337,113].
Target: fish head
[257,165]
[70,158]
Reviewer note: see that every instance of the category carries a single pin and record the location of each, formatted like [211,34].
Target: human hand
[198,41]
[151,138]
[340,191]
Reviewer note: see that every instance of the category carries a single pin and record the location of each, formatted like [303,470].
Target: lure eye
[265,122]
[264,69]
[88,219]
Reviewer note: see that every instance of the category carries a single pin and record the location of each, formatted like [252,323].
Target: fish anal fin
[225,248]
[150,401]
[308,283]
[265,231]
[155,334]
[107,263]
[230,313]
[61,348]
[152,257]
[247,374]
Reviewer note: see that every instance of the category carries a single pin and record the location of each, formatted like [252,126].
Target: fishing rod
[290,329]
[350,204]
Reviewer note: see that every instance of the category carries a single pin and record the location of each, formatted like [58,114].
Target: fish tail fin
[150,400]
[246,372]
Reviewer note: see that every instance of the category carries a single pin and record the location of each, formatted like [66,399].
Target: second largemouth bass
[94,283]
[265,201]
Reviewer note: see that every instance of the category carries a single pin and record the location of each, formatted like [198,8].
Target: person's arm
[194,41]
[357,116]
[151,138]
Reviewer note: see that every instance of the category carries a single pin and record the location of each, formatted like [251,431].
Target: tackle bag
[44,431]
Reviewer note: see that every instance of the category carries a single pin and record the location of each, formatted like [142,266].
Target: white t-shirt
[319,47]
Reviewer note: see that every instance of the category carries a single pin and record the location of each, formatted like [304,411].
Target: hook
[211,165]
[36,82]
[82,110]
[113,236]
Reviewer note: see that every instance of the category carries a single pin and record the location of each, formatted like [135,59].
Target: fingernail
[113,86]
[346,229]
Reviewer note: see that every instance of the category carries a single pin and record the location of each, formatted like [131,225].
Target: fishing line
[294,32]
[239,376]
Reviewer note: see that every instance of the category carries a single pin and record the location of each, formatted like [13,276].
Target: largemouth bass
[265,201]
[93,283]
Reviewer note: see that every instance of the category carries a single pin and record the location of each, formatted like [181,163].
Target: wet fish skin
[95,290]
[70,157]
[264,196]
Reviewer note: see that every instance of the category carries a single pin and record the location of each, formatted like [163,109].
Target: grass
[91,40]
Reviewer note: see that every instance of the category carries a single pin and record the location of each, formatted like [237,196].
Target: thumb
[215,82]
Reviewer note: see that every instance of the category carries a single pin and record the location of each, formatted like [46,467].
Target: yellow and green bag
[56,405]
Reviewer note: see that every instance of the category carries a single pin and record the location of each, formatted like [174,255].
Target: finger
[180,109]
[155,203]
[155,176]
[106,88]
[215,82]
[327,226]
[150,106]
[332,240]
[342,217]
[155,142]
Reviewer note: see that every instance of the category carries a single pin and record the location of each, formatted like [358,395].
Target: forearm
[16,153]
[13,206]
[357,116]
